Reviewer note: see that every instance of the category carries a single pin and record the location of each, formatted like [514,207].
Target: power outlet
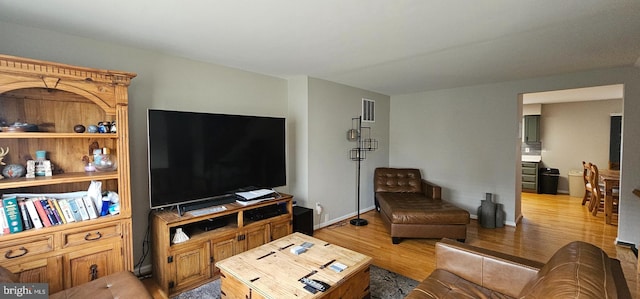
[326,218]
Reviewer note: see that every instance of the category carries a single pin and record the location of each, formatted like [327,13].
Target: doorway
[576,125]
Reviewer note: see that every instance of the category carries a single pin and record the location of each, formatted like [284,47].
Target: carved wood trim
[26,66]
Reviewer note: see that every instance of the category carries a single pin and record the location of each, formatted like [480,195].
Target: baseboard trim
[506,223]
[630,245]
[345,217]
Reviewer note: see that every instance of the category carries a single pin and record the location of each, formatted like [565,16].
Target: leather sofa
[577,270]
[118,285]
[411,207]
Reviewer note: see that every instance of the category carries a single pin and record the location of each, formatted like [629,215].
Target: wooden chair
[596,203]
[586,172]
[614,165]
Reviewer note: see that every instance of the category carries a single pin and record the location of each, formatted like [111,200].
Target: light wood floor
[550,221]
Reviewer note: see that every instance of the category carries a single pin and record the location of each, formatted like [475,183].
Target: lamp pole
[359,221]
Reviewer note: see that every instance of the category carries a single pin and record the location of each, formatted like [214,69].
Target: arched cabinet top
[103,87]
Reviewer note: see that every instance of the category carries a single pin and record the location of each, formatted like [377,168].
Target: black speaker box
[303,220]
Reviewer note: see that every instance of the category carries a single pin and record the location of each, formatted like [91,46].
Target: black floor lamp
[358,154]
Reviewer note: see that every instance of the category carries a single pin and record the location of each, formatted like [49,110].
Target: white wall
[330,175]
[458,138]
[575,132]
[298,175]
[163,82]
[463,139]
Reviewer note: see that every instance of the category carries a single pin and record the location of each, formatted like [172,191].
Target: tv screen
[197,157]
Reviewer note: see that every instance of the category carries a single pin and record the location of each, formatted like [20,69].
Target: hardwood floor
[550,221]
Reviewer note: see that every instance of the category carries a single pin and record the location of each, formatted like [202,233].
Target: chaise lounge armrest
[493,270]
[431,190]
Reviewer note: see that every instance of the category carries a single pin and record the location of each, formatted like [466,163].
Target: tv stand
[212,238]
[218,201]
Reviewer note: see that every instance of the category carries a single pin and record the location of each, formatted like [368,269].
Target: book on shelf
[56,209]
[12,212]
[33,213]
[74,209]
[42,213]
[66,210]
[26,219]
[82,208]
[91,208]
[3,220]
[54,212]
[45,205]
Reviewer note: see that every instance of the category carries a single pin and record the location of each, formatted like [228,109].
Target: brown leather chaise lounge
[411,207]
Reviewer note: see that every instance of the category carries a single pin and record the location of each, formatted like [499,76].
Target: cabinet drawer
[25,247]
[529,178]
[529,185]
[91,234]
[529,171]
[533,165]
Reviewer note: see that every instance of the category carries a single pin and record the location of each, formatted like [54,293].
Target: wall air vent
[368,110]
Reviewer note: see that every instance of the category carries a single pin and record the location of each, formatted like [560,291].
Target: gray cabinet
[531,128]
[530,177]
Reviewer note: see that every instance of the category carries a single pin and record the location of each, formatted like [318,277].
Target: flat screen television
[202,159]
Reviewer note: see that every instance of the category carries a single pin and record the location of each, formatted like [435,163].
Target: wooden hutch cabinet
[56,97]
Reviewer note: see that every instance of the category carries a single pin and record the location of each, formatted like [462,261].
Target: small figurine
[113,127]
[88,165]
[101,128]
[79,128]
[3,153]
[107,126]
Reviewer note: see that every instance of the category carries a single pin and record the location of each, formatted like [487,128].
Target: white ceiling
[392,47]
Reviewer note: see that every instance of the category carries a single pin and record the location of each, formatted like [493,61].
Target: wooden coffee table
[273,271]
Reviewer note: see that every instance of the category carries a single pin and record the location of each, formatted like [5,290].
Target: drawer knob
[89,238]
[8,255]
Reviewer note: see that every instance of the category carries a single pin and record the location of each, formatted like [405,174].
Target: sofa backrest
[503,273]
[397,180]
[577,270]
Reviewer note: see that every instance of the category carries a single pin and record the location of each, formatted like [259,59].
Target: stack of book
[21,213]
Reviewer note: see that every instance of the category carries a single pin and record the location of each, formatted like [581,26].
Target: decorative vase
[79,128]
[13,171]
[180,236]
[487,212]
[500,215]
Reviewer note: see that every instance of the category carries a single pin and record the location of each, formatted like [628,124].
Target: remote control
[316,285]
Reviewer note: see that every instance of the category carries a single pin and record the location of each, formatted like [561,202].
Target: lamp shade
[352,135]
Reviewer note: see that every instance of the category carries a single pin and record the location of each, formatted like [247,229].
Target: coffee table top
[274,271]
